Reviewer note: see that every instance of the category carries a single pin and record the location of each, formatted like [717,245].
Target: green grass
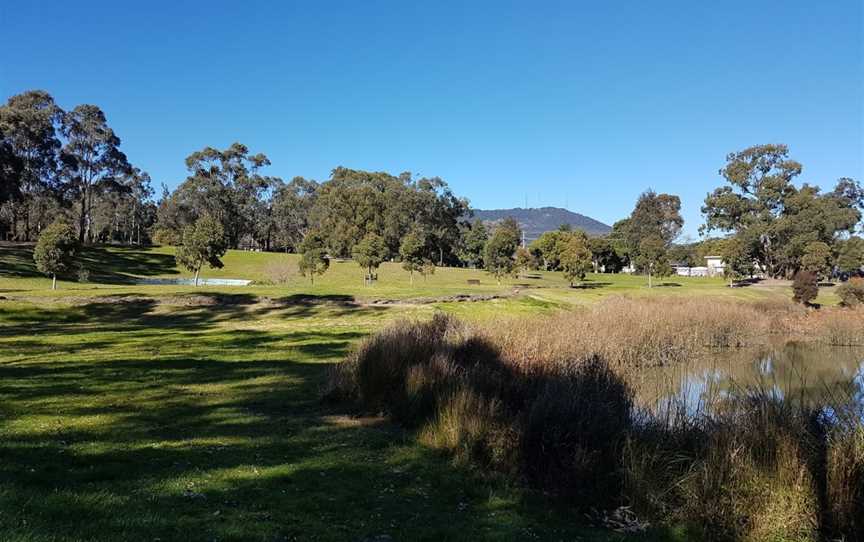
[154,414]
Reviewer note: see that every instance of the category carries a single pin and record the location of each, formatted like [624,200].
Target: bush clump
[805,287]
[851,292]
[540,403]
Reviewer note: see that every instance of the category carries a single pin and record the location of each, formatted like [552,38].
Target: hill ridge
[536,220]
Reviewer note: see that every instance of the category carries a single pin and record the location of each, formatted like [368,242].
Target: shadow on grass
[591,285]
[206,310]
[181,449]
[119,265]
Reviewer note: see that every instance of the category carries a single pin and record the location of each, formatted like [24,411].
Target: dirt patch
[457,298]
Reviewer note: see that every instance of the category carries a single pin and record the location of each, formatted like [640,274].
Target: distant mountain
[536,221]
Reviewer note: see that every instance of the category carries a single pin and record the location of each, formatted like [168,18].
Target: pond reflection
[808,373]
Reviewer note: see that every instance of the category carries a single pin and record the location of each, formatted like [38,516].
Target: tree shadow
[174,448]
[591,285]
[16,260]
[123,265]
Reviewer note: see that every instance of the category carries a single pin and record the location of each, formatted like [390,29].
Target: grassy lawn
[132,412]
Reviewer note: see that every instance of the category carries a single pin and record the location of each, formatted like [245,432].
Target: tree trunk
[197,271]
[440,255]
[649,279]
[54,281]
[411,275]
[82,219]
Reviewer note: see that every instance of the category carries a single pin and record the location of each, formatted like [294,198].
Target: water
[191,282]
[803,372]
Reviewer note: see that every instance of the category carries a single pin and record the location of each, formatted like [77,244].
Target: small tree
[369,254]
[498,254]
[412,253]
[653,258]
[737,259]
[313,259]
[523,260]
[203,243]
[576,261]
[817,258]
[805,287]
[56,250]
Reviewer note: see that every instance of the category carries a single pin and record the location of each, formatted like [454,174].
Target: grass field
[132,412]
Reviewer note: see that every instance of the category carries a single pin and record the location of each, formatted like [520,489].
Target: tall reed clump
[845,480]
[559,425]
[838,327]
[750,471]
[547,401]
[633,332]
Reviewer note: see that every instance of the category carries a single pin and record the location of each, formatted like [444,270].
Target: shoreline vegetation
[549,401]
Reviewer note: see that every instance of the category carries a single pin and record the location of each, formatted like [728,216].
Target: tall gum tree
[91,157]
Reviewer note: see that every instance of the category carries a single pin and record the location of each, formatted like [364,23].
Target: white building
[714,267]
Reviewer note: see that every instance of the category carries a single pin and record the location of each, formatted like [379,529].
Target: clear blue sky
[583,103]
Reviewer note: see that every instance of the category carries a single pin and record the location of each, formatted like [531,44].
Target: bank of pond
[731,421]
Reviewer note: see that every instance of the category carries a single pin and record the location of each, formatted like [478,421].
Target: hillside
[536,221]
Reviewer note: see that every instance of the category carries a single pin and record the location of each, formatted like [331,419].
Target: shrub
[281,271]
[166,236]
[805,287]
[535,399]
[851,292]
[845,481]
[56,250]
[747,472]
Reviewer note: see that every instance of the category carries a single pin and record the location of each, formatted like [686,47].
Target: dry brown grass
[547,401]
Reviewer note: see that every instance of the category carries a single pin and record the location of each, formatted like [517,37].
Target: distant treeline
[67,165]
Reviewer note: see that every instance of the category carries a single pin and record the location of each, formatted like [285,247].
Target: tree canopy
[775,219]
[203,243]
[56,250]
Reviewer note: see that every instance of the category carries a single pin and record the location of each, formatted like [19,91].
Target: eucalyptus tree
[29,131]
[203,243]
[291,208]
[226,185]
[91,160]
[313,256]
[472,239]
[500,250]
[762,206]
[56,250]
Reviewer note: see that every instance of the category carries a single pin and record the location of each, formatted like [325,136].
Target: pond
[191,282]
[802,372]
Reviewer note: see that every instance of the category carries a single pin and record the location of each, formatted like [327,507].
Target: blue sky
[579,103]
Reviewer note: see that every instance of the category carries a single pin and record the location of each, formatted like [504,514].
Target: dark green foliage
[500,250]
[773,216]
[850,258]
[818,259]
[313,259]
[805,287]
[92,160]
[203,243]
[56,250]
[369,254]
[652,258]
[738,259]
[575,259]
[472,241]
[412,254]
[604,257]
